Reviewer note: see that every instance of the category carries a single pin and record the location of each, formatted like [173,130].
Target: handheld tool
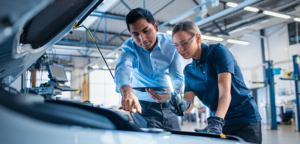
[174,100]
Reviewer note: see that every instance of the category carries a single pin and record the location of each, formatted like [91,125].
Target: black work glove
[215,125]
[184,105]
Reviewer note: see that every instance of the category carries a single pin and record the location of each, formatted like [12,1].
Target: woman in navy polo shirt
[216,79]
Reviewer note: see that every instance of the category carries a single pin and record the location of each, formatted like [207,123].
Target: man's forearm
[124,89]
[223,105]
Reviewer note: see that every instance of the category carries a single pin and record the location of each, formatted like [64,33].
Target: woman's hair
[187,26]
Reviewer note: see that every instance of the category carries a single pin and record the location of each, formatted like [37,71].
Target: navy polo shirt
[201,77]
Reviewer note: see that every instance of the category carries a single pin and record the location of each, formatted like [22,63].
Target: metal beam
[144,4]
[112,38]
[70,56]
[108,16]
[113,33]
[81,52]
[100,58]
[296,76]
[226,12]
[67,47]
[123,17]
[270,79]
[85,43]
[121,38]
[234,25]
[125,4]
[185,13]
[211,32]
[105,22]
[98,23]
[163,7]
[219,27]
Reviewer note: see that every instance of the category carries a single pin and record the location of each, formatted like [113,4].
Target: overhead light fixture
[237,42]
[277,14]
[231,4]
[95,66]
[109,60]
[297,19]
[212,38]
[252,9]
[169,32]
[182,17]
[105,67]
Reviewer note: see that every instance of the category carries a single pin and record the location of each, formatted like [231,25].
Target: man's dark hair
[138,13]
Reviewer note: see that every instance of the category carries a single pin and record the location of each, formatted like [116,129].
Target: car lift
[270,72]
[295,77]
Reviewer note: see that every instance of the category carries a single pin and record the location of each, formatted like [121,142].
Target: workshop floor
[285,134]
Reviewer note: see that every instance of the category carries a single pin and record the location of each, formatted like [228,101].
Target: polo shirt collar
[202,59]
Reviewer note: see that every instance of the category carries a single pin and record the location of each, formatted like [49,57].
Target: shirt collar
[202,59]
[157,46]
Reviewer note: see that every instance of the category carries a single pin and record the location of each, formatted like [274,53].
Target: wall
[281,51]
[102,89]
[249,59]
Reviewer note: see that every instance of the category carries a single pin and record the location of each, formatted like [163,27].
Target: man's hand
[129,100]
[159,98]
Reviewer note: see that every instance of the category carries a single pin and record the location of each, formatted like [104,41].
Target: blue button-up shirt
[201,77]
[149,68]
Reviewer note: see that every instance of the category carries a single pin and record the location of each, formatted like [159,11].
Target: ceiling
[112,32]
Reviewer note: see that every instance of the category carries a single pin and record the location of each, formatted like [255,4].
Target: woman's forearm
[224,84]
[223,105]
[189,96]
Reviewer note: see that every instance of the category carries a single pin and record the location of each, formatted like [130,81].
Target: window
[102,89]
[294,31]
[42,77]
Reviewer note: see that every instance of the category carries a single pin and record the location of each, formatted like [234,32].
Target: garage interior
[262,35]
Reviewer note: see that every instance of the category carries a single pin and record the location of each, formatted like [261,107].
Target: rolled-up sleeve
[175,71]
[124,69]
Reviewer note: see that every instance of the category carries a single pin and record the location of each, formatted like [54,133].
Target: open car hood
[29,27]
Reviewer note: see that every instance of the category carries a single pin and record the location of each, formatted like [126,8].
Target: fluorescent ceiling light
[169,32]
[276,14]
[105,67]
[109,60]
[212,38]
[231,4]
[182,17]
[252,9]
[238,42]
[297,19]
[95,66]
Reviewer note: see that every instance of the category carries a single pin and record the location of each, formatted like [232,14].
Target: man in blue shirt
[148,55]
